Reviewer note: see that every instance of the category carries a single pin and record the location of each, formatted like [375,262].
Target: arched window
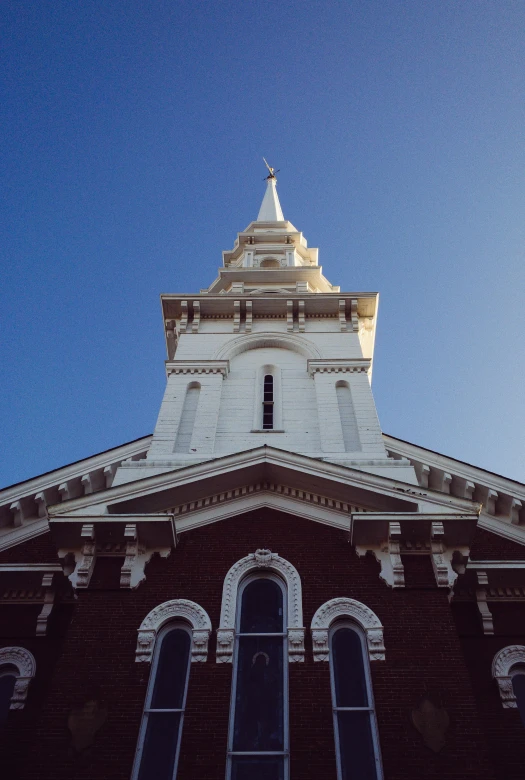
[162,721]
[508,669]
[355,728]
[17,669]
[171,635]
[8,675]
[258,734]
[517,675]
[267,418]
[347,417]
[349,635]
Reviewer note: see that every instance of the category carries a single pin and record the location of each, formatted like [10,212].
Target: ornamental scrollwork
[25,665]
[340,608]
[502,665]
[182,609]
[268,561]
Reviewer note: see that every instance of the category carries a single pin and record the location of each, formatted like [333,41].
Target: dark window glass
[259,700]
[162,728]
[518,684]
[170,679]
[262,608]
[257,768]
[349,672]
[160,746]
[356,745]
[268,402]
[7,686]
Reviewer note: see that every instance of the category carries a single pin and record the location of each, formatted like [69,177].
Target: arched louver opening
[357,745]
[258,739]
[161,729]
[268,402]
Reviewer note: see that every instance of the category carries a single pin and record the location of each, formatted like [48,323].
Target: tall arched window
[8,675]
[268,402]
[517,675]
[161,729]
[258,734]
[187,419]
[508,669]
[347,417]
[355,729]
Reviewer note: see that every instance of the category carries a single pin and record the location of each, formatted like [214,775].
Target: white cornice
[77,469]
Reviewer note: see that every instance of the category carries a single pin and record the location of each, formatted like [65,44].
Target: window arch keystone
[182,609]
[340,608]
[502,665]
[25,664]
[269,561]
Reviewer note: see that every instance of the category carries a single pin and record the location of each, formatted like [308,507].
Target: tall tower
[271,353]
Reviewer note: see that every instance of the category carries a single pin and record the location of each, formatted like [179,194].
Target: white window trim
[25,664]
[502,672]
[181,609]
[258,561]
[149,693]
[286,737]
[370,694]
[337,609]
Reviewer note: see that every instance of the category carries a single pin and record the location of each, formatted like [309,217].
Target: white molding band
[298,344]
[25,663]
[337,609]
[502,665]
[267,561]
[182,609]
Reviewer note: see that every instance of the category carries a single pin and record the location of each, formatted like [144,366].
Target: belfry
[268,586]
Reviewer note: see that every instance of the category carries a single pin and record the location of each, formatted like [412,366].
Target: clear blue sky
[132,142]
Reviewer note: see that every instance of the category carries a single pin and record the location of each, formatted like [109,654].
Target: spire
[270,210]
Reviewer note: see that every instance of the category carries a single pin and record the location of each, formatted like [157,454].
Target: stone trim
[25,663]
[267,561]
[197,367]
[339,365]
[340,608]
[502,665]
[241,344]
[182,609]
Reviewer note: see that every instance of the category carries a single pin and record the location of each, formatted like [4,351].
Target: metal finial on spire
[272,171]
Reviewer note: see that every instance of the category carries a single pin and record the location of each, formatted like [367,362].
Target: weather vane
[272,171]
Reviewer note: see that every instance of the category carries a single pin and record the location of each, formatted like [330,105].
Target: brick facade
[431,649]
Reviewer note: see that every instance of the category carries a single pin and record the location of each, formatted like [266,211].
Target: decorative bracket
[437,548]
[49,602]
[84,569]
[483,607]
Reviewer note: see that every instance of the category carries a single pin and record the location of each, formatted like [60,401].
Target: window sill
[267,430]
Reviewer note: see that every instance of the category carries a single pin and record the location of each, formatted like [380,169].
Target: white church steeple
[270,210]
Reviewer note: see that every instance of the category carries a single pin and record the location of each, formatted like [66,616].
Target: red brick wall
[503,729]
[423,651]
